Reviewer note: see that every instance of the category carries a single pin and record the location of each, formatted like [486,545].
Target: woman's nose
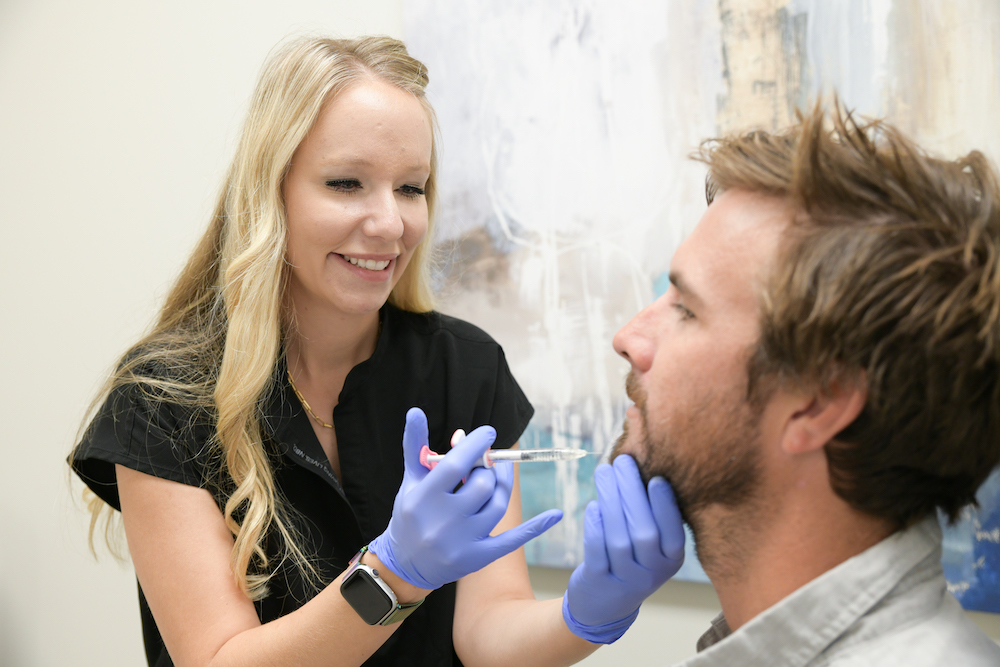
[383,217]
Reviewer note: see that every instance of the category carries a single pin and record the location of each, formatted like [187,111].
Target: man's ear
[821,415]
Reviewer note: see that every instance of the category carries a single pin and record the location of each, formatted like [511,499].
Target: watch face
[366,596]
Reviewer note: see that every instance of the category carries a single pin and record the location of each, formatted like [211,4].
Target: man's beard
[710,454]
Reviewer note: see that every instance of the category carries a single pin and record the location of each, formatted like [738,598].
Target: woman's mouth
[370,264]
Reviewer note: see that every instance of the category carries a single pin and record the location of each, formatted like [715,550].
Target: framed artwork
[566,131]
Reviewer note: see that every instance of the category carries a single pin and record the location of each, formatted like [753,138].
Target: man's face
[691,422]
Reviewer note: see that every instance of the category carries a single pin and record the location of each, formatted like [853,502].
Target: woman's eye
[411,191]
[684,312]
[344,184]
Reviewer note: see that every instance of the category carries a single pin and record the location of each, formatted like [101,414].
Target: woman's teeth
[369,264]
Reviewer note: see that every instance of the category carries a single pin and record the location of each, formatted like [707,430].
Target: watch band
[395,610]
[400,612]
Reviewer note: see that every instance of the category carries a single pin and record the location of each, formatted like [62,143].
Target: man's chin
[620,447]
[624,446]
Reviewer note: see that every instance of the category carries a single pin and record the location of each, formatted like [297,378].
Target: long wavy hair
[220,334]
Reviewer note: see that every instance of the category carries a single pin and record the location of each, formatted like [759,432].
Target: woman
[252,440]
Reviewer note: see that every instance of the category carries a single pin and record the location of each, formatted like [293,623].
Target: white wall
[116,121]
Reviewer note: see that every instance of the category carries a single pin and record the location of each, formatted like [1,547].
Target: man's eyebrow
[677,280]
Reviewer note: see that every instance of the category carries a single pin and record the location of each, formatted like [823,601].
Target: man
[820,379]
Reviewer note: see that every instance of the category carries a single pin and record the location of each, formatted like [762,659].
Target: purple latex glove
[438,535]
[632,542]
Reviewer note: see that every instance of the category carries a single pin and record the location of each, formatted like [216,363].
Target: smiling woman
[356,210]
[251,442]
[355,198]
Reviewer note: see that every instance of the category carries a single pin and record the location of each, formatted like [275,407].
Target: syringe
[429,459]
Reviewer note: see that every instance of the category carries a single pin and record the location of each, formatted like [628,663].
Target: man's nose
[383,219]
[635,341]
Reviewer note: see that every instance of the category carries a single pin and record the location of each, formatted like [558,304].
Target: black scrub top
[451,369]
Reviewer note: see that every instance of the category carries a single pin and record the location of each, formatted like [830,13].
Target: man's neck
[758,556]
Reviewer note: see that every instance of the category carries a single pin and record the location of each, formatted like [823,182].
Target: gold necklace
[302,399]
[305,403]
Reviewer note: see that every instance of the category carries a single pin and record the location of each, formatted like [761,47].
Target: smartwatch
[371,597]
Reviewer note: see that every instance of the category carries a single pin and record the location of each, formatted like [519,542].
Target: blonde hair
[219,336]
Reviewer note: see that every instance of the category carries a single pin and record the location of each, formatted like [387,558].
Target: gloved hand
[632,543]
[437,535]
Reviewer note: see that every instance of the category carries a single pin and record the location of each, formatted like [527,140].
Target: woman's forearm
[180,548]
[521,632]
[325,631]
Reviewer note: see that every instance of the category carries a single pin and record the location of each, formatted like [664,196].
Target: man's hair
[889,276]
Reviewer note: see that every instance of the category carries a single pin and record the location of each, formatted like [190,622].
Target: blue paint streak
[971,557]
[661,284]
[539,493]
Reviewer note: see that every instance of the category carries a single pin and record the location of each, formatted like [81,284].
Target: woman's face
[354,199]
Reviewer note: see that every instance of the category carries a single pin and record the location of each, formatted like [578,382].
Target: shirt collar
[797,629]
[286,423]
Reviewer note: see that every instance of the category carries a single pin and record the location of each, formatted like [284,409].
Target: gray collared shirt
[886,606]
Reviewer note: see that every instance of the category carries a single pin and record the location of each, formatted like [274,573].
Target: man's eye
[344,184]
[684,312]
[411,191]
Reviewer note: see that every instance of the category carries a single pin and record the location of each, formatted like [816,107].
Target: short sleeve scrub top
[452,370]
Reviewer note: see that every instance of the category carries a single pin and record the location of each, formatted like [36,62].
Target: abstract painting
[566,183]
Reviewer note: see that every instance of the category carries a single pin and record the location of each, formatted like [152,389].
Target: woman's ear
[821,415]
